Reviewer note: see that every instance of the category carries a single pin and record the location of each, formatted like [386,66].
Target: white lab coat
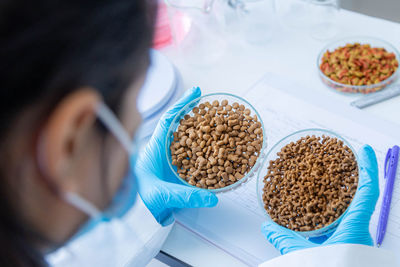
[343,255]
[140,237]
[132,243]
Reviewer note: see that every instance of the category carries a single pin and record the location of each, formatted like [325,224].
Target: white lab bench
[291,53]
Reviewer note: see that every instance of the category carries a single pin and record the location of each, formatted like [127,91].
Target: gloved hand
[354,227]
[158,187]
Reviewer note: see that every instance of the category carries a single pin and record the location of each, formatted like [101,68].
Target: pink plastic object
[163,33]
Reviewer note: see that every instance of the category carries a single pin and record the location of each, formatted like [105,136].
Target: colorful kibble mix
[358,65]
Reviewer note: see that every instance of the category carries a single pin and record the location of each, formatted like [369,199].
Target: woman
[70,73]
[62,64]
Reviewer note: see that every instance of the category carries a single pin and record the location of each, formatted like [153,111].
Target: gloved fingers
[166,119]
[156,145]
[369,182]
[368,189]
[354,227]
[181,196]
[352,231]
[284,239]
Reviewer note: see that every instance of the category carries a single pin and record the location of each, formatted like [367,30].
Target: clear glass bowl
[363,89]
[271,155]
[188,110]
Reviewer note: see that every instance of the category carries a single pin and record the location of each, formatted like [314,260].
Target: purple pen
[392,158]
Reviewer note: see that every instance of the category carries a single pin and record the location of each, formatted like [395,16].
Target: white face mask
[124,199]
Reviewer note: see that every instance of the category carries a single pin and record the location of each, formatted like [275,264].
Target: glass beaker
[256,18]
[293,13]
[316,17]
[197,30]
[324,16]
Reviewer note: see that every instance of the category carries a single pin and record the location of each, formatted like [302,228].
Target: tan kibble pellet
[217,146]
[311,183]
[229,170]
[220,128]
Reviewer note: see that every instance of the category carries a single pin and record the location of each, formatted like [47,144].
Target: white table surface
[292,53]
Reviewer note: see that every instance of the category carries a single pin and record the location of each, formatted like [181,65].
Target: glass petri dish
[363,89]
[187,109]
[271,155]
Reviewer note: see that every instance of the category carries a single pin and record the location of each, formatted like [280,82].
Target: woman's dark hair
[48,48]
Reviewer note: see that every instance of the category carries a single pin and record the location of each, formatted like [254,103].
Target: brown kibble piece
[220,128]
[238,175]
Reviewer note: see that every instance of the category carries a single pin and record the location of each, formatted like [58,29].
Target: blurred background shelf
[386,9]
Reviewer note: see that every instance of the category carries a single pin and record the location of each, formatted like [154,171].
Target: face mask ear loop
[81,204]
[109,120]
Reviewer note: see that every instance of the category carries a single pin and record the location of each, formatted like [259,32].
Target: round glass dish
[271,155]
[363,89]
[188,110]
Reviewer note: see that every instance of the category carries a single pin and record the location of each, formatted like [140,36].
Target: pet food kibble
[216,146]
[311,183]
[220,128]
[359,64]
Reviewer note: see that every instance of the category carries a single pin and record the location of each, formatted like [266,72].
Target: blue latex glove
[158,187]
[354,227]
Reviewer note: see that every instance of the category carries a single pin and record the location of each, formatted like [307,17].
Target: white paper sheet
[234,225]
